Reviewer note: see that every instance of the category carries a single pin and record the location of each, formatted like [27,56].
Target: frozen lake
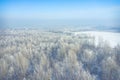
[111,38]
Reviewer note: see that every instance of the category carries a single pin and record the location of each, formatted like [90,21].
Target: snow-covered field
[111,38]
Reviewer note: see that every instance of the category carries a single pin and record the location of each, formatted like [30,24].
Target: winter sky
[75,11]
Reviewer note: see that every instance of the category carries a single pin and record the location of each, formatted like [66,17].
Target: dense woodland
[49,55]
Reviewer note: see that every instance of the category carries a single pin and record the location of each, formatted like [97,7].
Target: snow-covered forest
[49,55]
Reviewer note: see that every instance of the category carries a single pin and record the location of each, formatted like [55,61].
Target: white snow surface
[112,38]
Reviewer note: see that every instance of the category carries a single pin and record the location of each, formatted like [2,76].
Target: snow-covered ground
[111,38]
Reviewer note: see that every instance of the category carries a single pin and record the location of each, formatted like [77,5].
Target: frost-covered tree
[43,55]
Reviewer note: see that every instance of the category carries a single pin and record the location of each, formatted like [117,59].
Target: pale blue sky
[82,11]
